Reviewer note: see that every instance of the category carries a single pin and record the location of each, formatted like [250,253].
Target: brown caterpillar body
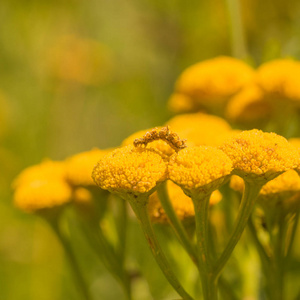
[164,134]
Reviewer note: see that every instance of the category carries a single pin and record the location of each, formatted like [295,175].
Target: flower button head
[199,169]
[130,170]
[80,166]
[259,156]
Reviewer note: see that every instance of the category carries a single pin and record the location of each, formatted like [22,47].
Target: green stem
[108,256]
[201,205]
[238,43]
[72,260]
[139,207]
[175,223]
[292,236]
[250,194]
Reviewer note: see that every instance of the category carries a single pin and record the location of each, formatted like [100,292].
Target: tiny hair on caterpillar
[164,134]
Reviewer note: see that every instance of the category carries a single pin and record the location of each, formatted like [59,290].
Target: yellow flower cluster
[199,169]
[200,129]
[182,204]
[280,79]
[42,187]
[130,170]
[256,154]
[80,166]
[213,80]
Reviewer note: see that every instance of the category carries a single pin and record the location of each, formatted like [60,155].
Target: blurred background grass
[81,74]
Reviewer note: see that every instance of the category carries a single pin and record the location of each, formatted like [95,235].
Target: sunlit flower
[237,183]
[130,170]
[280,79]
[200,129]
[214,80]
[42,194]
[181,203]
[248,105]
[180,103]
[199,169]
[46,170]
[258,155]
[79,167]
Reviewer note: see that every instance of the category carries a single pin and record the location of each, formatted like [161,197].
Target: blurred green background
[79,74]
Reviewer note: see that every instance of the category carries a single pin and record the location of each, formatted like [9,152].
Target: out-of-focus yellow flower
[296,143]
[39,195]
[199,169]
[81,60]
[280,79]
[212,81]
[200,129]
[248,105]
[79,167]
[181,203]
[159,145]
[237,183]
[130,170]
[46,170]
[82,196]
[180,103]
[258,155]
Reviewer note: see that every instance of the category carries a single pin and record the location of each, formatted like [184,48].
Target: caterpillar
[164,134]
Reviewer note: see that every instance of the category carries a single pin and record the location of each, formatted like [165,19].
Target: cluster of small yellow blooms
[259,154]
[199,168]
[251,95]
[200,129]
[247,105]
[159,145]
[81,60]
[283,191]
[130,170]
[182,204]
[79,166]
[213,80]
[41,187]
[280,79]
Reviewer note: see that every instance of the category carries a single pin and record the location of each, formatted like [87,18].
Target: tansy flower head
[40,195]
[200,129]
[296,143]
[282,192]
[46,170]
[199,169]
[280,79]
[181,203]
[130,170]
[237,183]
[248,105]
[260,156]
[214,80]
[80,166]
[181,103]
[159,145]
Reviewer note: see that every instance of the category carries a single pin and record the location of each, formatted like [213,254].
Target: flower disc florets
[199,169]
[130,170]
[260,156]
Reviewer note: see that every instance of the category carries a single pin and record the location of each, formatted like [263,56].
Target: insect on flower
[164,134]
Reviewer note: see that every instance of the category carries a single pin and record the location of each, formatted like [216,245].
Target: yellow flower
[79,167]
[200,129]
[46,170]
[214,80]
[199,169]
[159,145]
[280,78]
[237,183]
[181,203]
[130,170]
[296,143]
[38,195]
[258,155]
[248,105]
[179,103]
